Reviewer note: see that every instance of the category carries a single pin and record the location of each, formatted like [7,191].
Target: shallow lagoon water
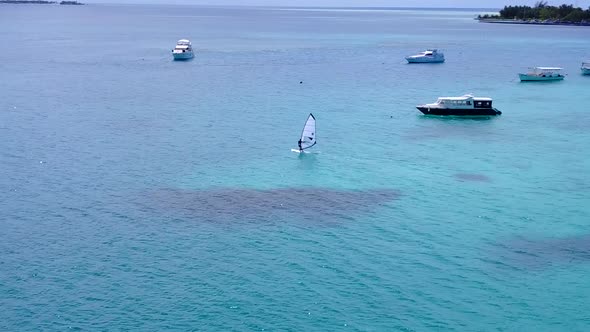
[415,223]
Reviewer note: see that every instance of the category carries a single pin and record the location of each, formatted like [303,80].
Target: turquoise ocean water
[138,193]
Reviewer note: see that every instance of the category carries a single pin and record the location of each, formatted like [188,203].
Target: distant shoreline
[540,14]
[530,22]
[40,2]
[354,8]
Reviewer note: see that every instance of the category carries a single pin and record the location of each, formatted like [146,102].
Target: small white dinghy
[308,138]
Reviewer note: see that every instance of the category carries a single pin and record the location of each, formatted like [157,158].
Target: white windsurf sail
[308,138]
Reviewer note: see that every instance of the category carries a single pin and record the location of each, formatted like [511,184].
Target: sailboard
[308,138]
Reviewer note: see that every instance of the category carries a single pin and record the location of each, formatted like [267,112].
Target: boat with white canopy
[585,67]
[542,74]
[466,105]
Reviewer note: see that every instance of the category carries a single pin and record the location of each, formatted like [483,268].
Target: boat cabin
[482,103]
[183,45]
[546,71]
[466,101]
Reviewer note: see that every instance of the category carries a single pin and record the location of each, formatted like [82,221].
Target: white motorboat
[183,50]
[428,56]
[585,68]
[466,105]
[542,74]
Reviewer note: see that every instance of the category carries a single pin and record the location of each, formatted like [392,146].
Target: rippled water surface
[139,193]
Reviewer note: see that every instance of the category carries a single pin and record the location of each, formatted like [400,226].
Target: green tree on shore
[542,11]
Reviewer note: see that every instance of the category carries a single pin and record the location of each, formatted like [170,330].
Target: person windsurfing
[307,139]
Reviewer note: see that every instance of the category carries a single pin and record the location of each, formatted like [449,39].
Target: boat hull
[183,56]
[459,112]
[585,71]
[424,60]
[534,78]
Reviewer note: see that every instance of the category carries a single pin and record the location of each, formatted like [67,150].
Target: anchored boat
[183,50]
[428,56]
[542,74]
[466,105]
